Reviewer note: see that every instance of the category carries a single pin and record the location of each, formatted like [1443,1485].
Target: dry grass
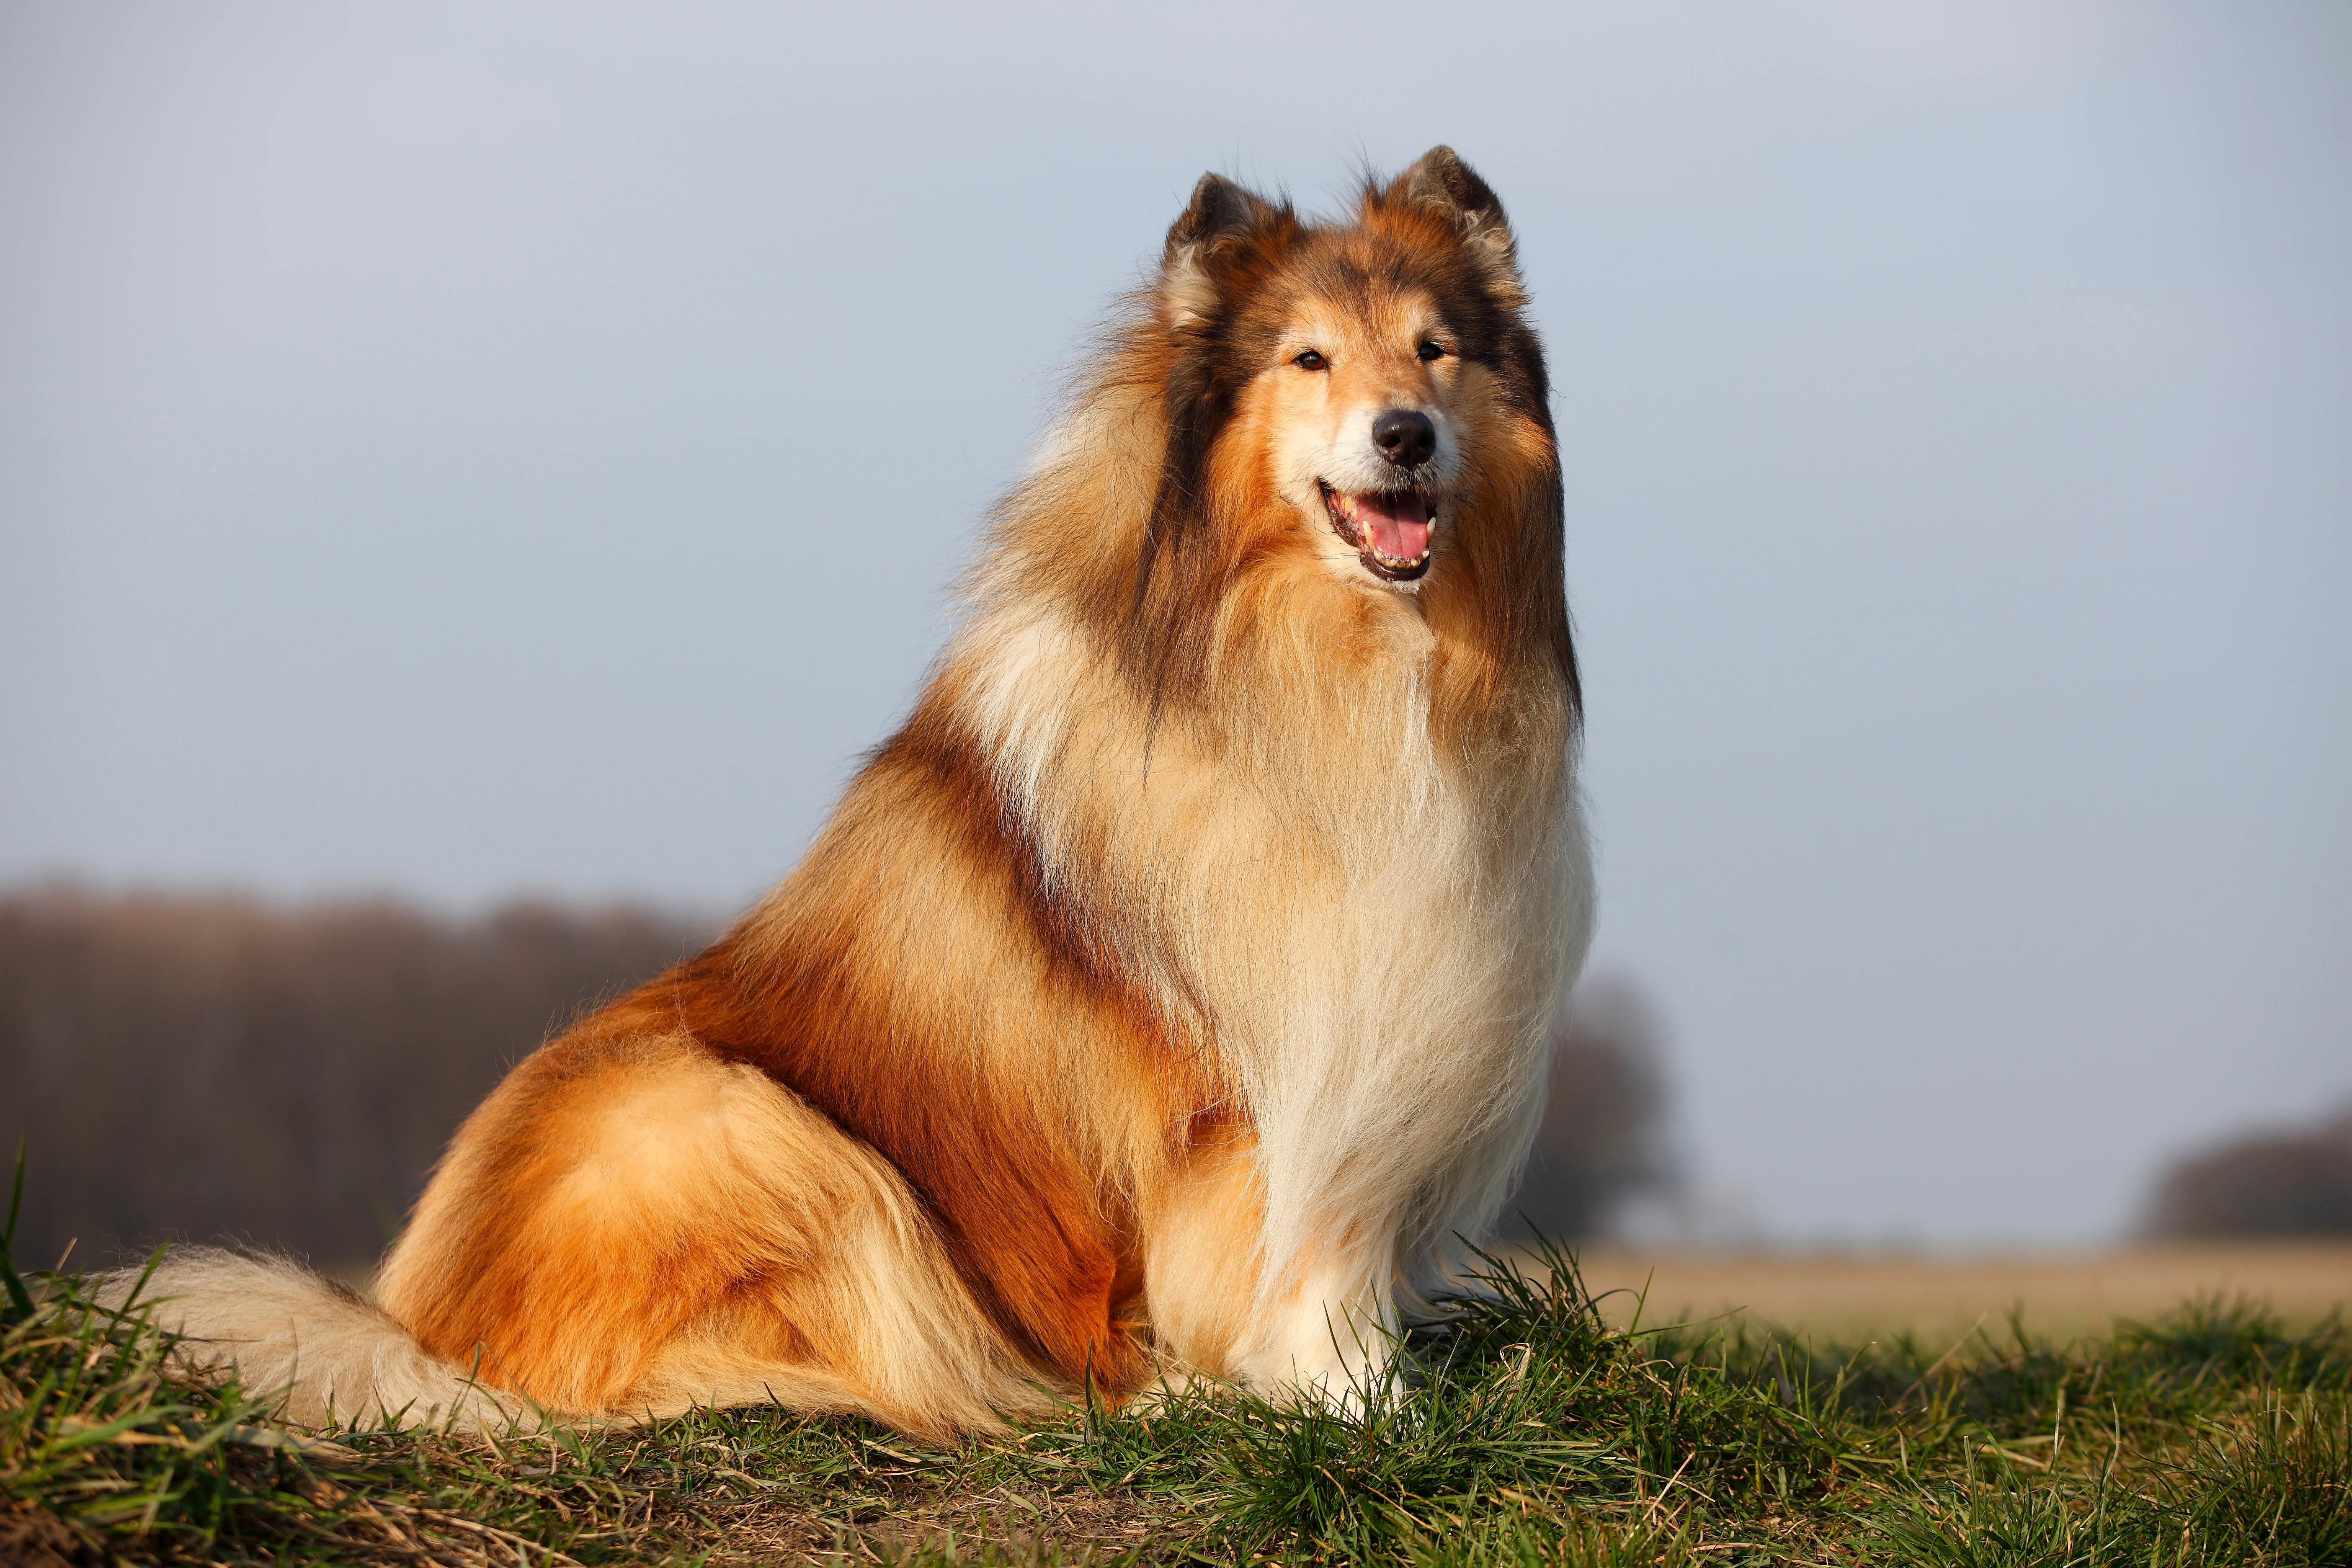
[1843,1295]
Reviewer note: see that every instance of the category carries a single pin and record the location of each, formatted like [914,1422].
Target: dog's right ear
[1217,221]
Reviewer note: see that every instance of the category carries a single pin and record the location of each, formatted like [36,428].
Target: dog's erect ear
[1219,216]
[1218,207]
[1443,181]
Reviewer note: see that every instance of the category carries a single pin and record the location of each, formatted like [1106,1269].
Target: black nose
[1405,438]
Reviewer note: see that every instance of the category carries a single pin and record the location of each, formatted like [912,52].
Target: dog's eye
[1310,359]
[1431,350]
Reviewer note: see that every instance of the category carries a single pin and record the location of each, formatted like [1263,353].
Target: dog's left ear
[1441,180]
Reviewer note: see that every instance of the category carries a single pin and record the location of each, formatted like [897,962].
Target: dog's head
[1360,377]
[1329,437]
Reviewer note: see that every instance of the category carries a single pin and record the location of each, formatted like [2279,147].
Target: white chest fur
[1374,936]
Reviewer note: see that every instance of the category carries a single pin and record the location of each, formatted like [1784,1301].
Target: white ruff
[1376,939]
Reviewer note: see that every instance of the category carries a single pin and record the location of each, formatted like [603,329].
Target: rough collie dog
[1167,998]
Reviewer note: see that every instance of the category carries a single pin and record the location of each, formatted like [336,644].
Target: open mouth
[1388,529]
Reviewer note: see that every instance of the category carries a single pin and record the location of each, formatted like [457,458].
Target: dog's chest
[1322,885]
[1406,937]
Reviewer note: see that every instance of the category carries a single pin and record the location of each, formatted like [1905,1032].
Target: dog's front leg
[1332,1336]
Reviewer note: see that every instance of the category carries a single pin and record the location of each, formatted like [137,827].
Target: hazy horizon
[460,453]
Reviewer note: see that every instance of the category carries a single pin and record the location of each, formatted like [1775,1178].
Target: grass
[1536,1434]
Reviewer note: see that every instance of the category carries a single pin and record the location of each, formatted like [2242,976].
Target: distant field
[1843,1294]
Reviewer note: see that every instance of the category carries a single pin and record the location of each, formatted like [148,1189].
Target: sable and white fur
[1168,997]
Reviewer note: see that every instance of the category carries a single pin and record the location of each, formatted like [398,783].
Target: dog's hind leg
[634,1226]
[876,1319]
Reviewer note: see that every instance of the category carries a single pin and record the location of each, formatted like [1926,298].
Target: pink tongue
[1398,524]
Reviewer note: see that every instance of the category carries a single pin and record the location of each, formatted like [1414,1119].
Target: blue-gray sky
[466,449]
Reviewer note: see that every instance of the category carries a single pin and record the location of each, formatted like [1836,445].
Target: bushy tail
[321,1352]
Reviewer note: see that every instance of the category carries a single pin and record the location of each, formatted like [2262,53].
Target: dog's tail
[317,1350]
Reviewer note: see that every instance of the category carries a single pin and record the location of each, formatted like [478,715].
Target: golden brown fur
[1169,994]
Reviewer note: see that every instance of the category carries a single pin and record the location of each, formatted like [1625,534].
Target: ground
[2151,1425]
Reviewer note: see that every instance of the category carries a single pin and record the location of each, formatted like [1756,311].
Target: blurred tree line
[1603,1143]
[215,1067]
[2277,1181]
[211,1067]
